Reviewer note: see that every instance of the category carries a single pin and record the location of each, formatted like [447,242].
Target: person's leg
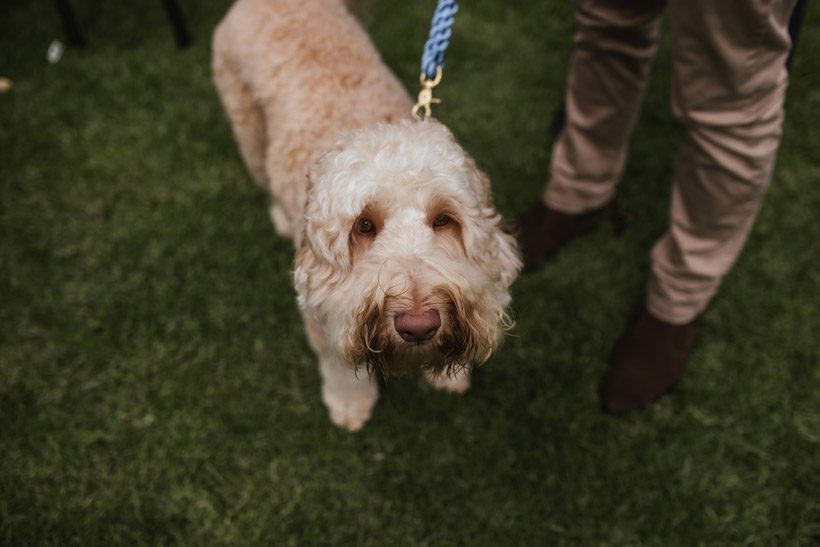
[730,78]
[614,44]
[729,62]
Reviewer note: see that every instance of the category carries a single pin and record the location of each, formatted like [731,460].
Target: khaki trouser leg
[728,89]
[615,42]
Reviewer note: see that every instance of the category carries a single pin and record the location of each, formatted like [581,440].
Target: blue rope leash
[440,32]
[432,58]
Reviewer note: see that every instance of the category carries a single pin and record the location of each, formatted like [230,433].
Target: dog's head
[403,260]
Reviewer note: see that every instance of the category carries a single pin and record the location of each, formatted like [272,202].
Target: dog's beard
[463,338]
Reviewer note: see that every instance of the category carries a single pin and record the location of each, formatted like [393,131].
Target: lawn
[156,386]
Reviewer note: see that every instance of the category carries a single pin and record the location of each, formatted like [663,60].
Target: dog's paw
[281,222]
[457,382]
[349,413]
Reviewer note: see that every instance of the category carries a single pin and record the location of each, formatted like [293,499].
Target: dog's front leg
[349,395]
[457,381]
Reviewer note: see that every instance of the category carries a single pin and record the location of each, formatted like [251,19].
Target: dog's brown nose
[417,327]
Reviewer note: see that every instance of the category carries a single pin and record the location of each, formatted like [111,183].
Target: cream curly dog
[400,259]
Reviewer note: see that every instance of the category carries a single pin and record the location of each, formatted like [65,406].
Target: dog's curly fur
[389,217]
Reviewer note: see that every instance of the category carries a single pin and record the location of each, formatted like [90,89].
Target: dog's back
[292,75]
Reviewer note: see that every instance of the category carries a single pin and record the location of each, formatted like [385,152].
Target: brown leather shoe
[646,363]
[542,230]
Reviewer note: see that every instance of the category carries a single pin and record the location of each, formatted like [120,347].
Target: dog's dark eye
[366,226]
[441,220]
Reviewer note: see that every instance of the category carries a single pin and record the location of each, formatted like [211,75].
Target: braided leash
[441,29]
[432,58]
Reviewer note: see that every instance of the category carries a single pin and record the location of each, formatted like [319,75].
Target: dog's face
[402,260]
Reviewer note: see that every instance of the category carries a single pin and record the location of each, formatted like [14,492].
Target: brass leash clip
[426,96]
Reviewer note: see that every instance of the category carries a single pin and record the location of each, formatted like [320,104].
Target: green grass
[156,386]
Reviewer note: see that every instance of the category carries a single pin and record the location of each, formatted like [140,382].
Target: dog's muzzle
[440,334]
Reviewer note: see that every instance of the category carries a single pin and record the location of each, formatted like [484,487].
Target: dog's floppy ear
[493,247]
[322,254]
[479,182]
[487,242]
